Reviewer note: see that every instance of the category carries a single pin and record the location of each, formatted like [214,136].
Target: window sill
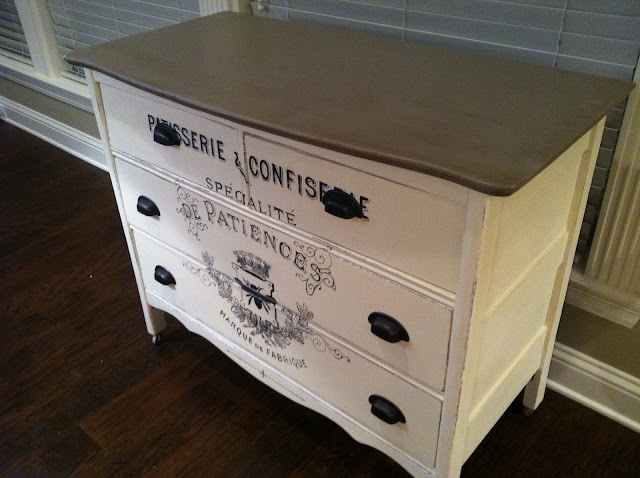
[62,89]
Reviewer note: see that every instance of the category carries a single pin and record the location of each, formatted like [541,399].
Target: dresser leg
[155,320]
[534,391]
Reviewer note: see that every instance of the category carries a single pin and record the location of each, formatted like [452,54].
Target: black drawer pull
[386,410]
[163,276]
[165,135]
[341,204]
[387,328]
[259,298]
[147,207]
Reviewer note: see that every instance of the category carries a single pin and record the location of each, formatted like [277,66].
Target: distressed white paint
[323,366]
[333,300]
[423,218]
[511,271]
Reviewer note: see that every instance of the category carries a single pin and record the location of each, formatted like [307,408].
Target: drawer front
[289,342]
[208,153]
[295,274]
[410,230]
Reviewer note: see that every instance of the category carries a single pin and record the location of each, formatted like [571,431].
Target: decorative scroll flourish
[321,344]
[315,267]
[295,327]
[238,164]
[210,276]
[189,210]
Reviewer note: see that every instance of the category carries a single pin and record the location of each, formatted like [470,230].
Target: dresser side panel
[523,271]
[524,243]
[531,220]
[534,392]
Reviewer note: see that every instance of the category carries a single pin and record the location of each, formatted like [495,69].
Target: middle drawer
[345,299]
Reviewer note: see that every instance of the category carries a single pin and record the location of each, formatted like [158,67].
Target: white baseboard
[596,385]
[71,140]
[602,300]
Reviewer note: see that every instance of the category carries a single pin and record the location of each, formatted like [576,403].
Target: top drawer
[209,153]
[406,228]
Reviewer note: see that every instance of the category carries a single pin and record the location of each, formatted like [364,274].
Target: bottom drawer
[288,341]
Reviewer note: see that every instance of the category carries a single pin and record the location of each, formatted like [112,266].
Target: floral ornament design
[295,327]
[314,265]
[189,210]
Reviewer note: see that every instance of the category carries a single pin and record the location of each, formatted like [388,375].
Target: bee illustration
[258,301]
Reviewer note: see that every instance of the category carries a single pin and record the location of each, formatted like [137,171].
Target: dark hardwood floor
[85,393]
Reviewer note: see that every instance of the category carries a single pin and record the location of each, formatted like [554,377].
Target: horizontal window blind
[81,23]
[600,37]
[12,40]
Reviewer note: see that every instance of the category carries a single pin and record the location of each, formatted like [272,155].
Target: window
[36,34]
[81,23]
[13,42]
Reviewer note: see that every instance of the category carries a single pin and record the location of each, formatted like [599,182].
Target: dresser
[380,231]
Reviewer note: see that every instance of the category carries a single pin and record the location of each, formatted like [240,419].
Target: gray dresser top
[486,123]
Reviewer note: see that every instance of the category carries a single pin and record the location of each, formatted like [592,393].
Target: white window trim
[41,39]
[601,288]
[208,7]
[45,74]
[60,88]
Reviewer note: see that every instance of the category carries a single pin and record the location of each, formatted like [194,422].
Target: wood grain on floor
[85,393]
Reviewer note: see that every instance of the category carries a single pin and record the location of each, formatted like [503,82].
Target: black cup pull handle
[147,207]
[341,204]
[165,135]
[163,276]
[387,328]
[386,410]
[259,298]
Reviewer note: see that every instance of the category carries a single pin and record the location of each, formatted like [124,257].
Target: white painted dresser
[382,232]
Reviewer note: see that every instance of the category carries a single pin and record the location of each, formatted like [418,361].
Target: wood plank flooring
[85,393]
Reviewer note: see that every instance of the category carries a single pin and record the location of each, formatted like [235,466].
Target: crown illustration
[253,264]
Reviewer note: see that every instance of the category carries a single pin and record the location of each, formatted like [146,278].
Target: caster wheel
[156,339]
[527,412]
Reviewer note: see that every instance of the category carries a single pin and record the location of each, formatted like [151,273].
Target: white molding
[208,7]
[71,140]
[608,286]
[62,89]
[625,164]
[605,301]
[40,35]
[596,385]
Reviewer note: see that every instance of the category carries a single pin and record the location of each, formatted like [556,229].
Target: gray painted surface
[601,339]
